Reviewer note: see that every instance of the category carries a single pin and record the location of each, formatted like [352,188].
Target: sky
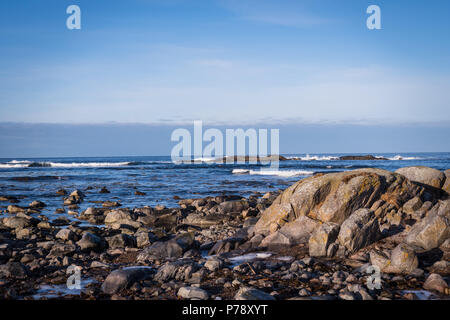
[306,64]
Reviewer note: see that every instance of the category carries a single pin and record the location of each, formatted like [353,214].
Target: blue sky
[232,62]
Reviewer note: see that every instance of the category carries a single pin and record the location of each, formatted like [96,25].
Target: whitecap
[314,158]
[281,173]
[399,157]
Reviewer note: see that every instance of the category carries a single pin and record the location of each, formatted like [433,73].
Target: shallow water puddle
[285,258]
[52,291]
[421,294]
[237,260]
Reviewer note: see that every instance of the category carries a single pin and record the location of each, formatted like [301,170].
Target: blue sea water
[161,179]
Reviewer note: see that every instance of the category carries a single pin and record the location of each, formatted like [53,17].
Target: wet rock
[44,225]
[111,204]
[121,241]
[247,293]
[359,230]
[77,194]
[37,204]
[91,211]
[61,192]
[91,242]
[304,293]
[347,295]
[66,234]
[61,249]
[173,248]
[12,209]
[74,198]
[213,264]
[17,222]
[434,229]
[425,175]
[437,283]
[144,239]
[233,206]
[181,270]
[193,293]
[442,267]
[166,249]
[104,190]
[204,220]
[365,157]
[325,235]
[226,245]
[121,216]
[124,278]
[14,270]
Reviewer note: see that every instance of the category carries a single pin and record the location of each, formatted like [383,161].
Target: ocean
[161,180]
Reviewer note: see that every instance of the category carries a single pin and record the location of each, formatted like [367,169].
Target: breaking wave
[281,173]
[29,164]
[399,157]
[316,158]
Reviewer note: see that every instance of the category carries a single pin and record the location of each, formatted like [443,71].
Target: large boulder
[359,230]
[15,209]
[446,186]
[121,216]
[193,293]
[402,260]
[92,242]
[173,248]
[334,197]
[436,282]
[425,175]
[123,278]
[232,206]
[121,241]
[434,229]
[16,222]
[246,293]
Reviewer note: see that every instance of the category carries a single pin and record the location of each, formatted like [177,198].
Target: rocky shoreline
[318,239]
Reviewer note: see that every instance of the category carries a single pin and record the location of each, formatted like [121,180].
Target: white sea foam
[399,157]
[204,159]
[86,164]
[19,162]
[311,158]
[250,256]
[281,173]
[25,164]
[13,165]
